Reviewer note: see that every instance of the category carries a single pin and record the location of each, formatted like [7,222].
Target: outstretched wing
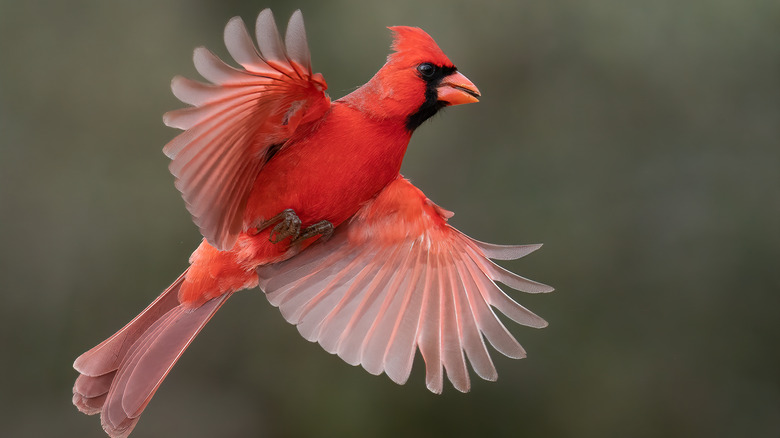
[238,120]
[397,278]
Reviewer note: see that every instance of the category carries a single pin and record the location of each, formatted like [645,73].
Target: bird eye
[427,70]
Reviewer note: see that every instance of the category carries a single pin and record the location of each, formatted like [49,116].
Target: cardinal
[302,197]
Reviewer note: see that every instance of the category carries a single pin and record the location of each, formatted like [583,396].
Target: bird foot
[324,229]
[289,225]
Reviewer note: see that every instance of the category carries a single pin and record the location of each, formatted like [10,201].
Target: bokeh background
[640,141]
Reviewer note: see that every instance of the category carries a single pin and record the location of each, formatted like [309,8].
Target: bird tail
[120,375]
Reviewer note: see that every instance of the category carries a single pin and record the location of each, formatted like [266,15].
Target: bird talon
[323,228]
[287,225]
[290,226]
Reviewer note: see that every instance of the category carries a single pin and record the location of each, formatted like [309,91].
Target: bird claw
[324,229]
[289,225]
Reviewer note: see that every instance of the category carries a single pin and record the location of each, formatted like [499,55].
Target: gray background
[637,140]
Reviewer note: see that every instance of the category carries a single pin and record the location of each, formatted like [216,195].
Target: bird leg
[287,225]
[321,228]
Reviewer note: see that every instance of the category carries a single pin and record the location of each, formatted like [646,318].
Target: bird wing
[397,277]
[239,120]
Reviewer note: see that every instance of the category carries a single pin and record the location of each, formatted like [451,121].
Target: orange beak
[457,89]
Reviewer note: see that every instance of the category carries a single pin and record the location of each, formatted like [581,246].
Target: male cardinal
[303,197]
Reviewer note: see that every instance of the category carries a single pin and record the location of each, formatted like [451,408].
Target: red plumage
[393,276]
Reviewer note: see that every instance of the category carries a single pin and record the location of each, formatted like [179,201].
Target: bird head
[417,81]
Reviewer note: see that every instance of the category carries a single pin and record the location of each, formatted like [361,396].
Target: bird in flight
[302,196]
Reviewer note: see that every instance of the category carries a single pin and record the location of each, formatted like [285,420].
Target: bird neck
[382,100]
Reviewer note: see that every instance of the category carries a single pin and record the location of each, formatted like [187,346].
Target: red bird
[303,197]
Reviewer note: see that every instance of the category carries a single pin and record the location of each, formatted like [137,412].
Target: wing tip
[492,377]
[169,120]
[541,324]
[397,378]
[176,82]
[544,288]
[504,252]
[198,53]
[519,355]
[265,19]
[235,26]
[434,387]
[295,23]
[236,19]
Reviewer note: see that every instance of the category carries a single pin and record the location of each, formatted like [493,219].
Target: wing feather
[336,322]
[236,118]
[218,72]
[430,330]
[268,38]
[503,252]
[379,335]
[314,312]
[352,339]
[397,278]
[321,282]
[493,329]
[280,282]
[510,279]
[197,93]
[242,49]
[399,354]
[454,361]
[497,298]
[473,343]
[297,44]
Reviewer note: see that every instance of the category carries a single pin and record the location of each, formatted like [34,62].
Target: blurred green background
[640,141]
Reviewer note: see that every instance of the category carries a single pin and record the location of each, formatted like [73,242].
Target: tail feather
[89,393]
[106,356]
[120,376]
